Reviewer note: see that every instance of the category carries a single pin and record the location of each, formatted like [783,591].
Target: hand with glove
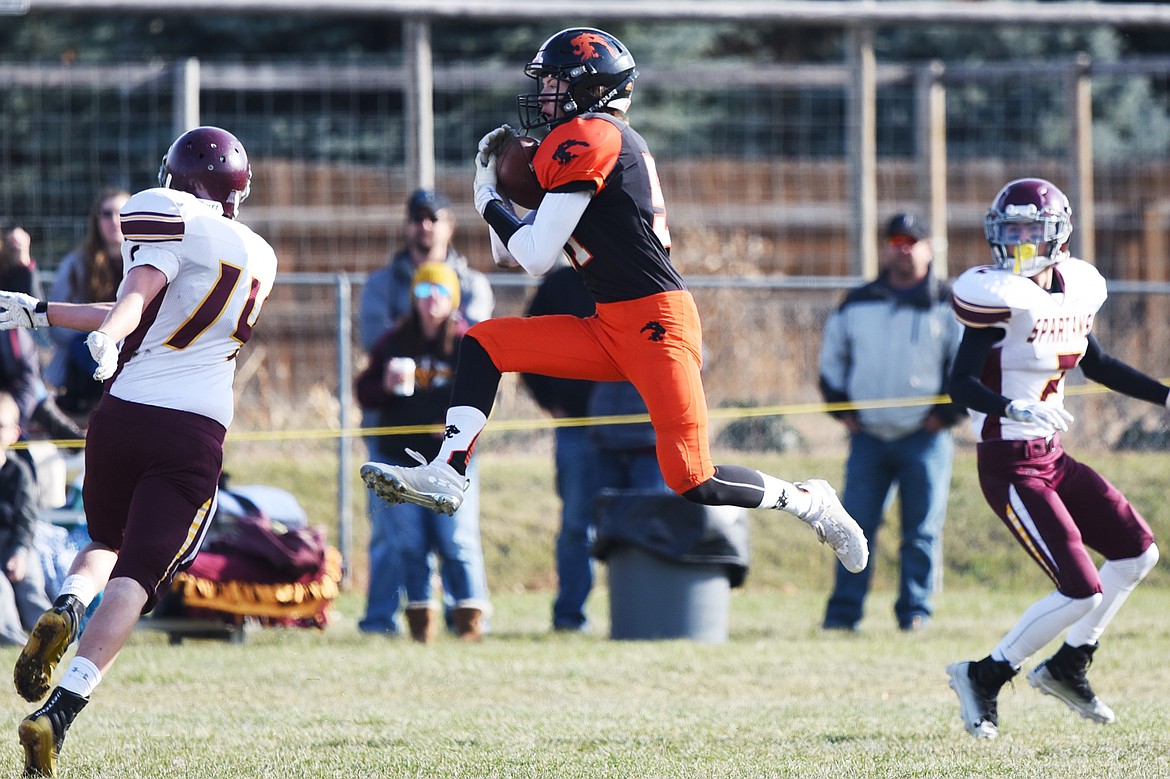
[485,167]
[490,143]
[20,310]
[104,352]
[1034,412]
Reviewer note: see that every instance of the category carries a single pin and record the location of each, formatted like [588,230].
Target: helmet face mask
[1028,226]
[593,68]
[210,164]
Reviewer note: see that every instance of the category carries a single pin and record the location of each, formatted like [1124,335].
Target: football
[515,176]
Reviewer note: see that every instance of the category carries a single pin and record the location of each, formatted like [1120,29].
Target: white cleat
[436,486]
[834,526]
[977,706]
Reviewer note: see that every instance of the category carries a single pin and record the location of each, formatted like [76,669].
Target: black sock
[992,673]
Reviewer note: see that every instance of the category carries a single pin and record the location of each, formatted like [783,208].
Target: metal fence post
[344,372]
[420,111]
[186,99]
[862,151]
[931,152]
[1081,121]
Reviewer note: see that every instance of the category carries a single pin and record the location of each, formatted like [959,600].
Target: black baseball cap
[907,224]
[427,201]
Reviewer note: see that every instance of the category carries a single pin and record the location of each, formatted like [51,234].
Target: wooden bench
[179,628]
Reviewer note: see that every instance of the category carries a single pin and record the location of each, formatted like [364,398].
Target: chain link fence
[752,161]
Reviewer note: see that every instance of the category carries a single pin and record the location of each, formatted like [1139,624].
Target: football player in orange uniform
[604,209]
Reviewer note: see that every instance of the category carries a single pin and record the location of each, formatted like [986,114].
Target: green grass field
[779,699]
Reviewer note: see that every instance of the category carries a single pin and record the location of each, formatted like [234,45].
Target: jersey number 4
[579,255]
[212,308]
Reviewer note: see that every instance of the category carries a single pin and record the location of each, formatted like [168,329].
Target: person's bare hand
[18,242]
[16,568]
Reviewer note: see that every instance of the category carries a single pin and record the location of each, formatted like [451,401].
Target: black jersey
[621,245]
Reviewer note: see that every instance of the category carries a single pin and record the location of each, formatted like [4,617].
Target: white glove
[1036,413]
[20,310]
[491,143]
[104,352]
[485,181]
[485,166]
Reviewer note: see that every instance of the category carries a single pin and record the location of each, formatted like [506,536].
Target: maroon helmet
[211,164]
[1025,202]
[597,71]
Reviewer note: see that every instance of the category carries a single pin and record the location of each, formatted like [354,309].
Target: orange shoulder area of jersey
[583,150]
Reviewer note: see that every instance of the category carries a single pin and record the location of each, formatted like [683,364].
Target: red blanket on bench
[254,567]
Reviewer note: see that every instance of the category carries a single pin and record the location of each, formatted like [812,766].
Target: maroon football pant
[151,480]
[1058,509]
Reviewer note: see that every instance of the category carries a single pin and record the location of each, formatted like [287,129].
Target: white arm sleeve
[538,246]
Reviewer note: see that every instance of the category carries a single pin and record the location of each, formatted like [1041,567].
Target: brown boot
[468,622]
[421,622]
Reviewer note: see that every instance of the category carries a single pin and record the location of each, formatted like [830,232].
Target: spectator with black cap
[890,340]
[430,225]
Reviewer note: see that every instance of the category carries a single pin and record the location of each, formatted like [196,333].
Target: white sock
[795,501]
[80,587]
[1118,580]
[1043,621]
[464,424]
[81,678]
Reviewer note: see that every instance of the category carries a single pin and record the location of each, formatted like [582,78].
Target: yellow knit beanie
[438,273]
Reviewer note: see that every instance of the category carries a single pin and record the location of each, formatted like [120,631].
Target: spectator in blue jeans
[893,338]
[407,384]
[588,458]
[626,458]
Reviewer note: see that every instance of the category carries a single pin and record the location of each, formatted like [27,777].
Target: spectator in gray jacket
[430,223]
[894,338]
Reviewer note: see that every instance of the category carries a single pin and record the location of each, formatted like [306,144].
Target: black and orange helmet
[597,71]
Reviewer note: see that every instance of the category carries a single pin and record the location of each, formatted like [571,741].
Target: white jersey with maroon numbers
[1046,334]
[219,273]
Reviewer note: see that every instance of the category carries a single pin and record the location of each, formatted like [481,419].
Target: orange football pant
[655,343]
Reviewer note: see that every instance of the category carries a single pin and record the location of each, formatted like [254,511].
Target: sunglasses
[418,217]
[424,289]
[901,240]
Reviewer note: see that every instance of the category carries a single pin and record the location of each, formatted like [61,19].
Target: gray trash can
[671,564]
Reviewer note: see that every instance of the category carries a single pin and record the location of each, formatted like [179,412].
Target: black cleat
[1063,676]
[42,733]
[47,642]
[977,684]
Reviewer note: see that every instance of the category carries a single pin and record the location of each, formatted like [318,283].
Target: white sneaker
[834,526]
[436,486]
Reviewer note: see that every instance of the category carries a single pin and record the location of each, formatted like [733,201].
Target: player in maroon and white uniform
[1028,320]
[603,208]
[194,283]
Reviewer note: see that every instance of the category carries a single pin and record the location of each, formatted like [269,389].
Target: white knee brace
[1128,573]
